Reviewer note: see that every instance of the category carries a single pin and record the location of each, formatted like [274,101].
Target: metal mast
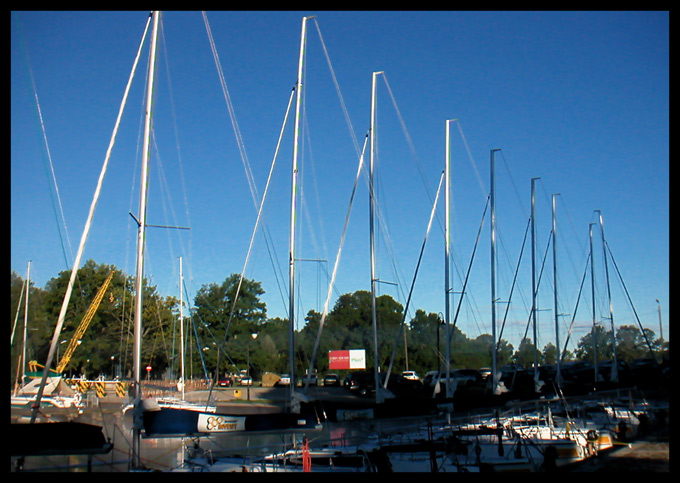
[447,239]
[614,377]
[494,375]
[181,324]
[533,277]
[592,293]
[141,234]
[557,327]
[23,356]
[374,316]
[293,203]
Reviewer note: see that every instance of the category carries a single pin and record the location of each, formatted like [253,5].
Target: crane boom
[84,324]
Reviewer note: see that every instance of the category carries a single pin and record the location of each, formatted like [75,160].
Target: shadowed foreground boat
[58,438]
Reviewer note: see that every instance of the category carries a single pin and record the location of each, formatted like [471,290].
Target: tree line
[217,332]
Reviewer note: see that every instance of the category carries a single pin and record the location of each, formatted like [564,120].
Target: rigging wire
[337,258]
[86,230]
[244,158]
[338,92]
[538,284]
[573,317]
[630,301]
[512,286]
[179,160]
[48,154]
[413,281]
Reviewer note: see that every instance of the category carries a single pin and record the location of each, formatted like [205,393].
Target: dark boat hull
[59,438]
[189,422]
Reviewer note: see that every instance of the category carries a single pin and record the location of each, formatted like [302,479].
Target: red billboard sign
[347,359]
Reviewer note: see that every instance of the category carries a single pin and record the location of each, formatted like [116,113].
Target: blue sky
[577,99]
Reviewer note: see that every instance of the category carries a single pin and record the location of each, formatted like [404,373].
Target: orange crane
[84,324]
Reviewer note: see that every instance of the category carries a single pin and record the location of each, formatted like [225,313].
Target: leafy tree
[504,353]
[585,350]
[276,333]
[631,344]
[526,353]
[427,335]
[550,353]
[109,339]
[220,321]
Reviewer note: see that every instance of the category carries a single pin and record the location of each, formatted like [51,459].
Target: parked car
[246,381]
[347,381]
[313,381]
[226,382]
[411,375]
[485,372]
[331,380]
[284,380]
[363,383]
[360,382]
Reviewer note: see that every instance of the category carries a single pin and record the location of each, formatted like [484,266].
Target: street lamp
[254,336]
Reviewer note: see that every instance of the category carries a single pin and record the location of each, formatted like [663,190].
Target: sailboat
[179,418]
[171,416]
[57,394]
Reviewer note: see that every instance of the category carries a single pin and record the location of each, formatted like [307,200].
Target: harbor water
[168,453]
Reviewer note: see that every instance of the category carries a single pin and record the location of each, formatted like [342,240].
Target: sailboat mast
[181,325]
[533,276]
[592,294]
[141,234]
[494,350]
[447,255]
[557,326]
[293,203]
[615,373]
[374,317]
[23,356]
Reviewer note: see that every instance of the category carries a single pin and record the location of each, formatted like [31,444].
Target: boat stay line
[86,231]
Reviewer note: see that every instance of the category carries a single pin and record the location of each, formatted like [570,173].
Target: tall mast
[181,325]
[494,375]
[533,277]
[141,234]
[447,255]
[293,203]
[23,356]
[614,377]
[557,326]
[592,294]
[374,317]
[79,254]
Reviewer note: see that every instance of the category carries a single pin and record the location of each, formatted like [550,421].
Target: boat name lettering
[220,424]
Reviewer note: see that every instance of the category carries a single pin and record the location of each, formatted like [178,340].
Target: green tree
[426,330]
[526,353]
[585,351]
[631,343]
[504,353]
[550,353]
[225,328]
